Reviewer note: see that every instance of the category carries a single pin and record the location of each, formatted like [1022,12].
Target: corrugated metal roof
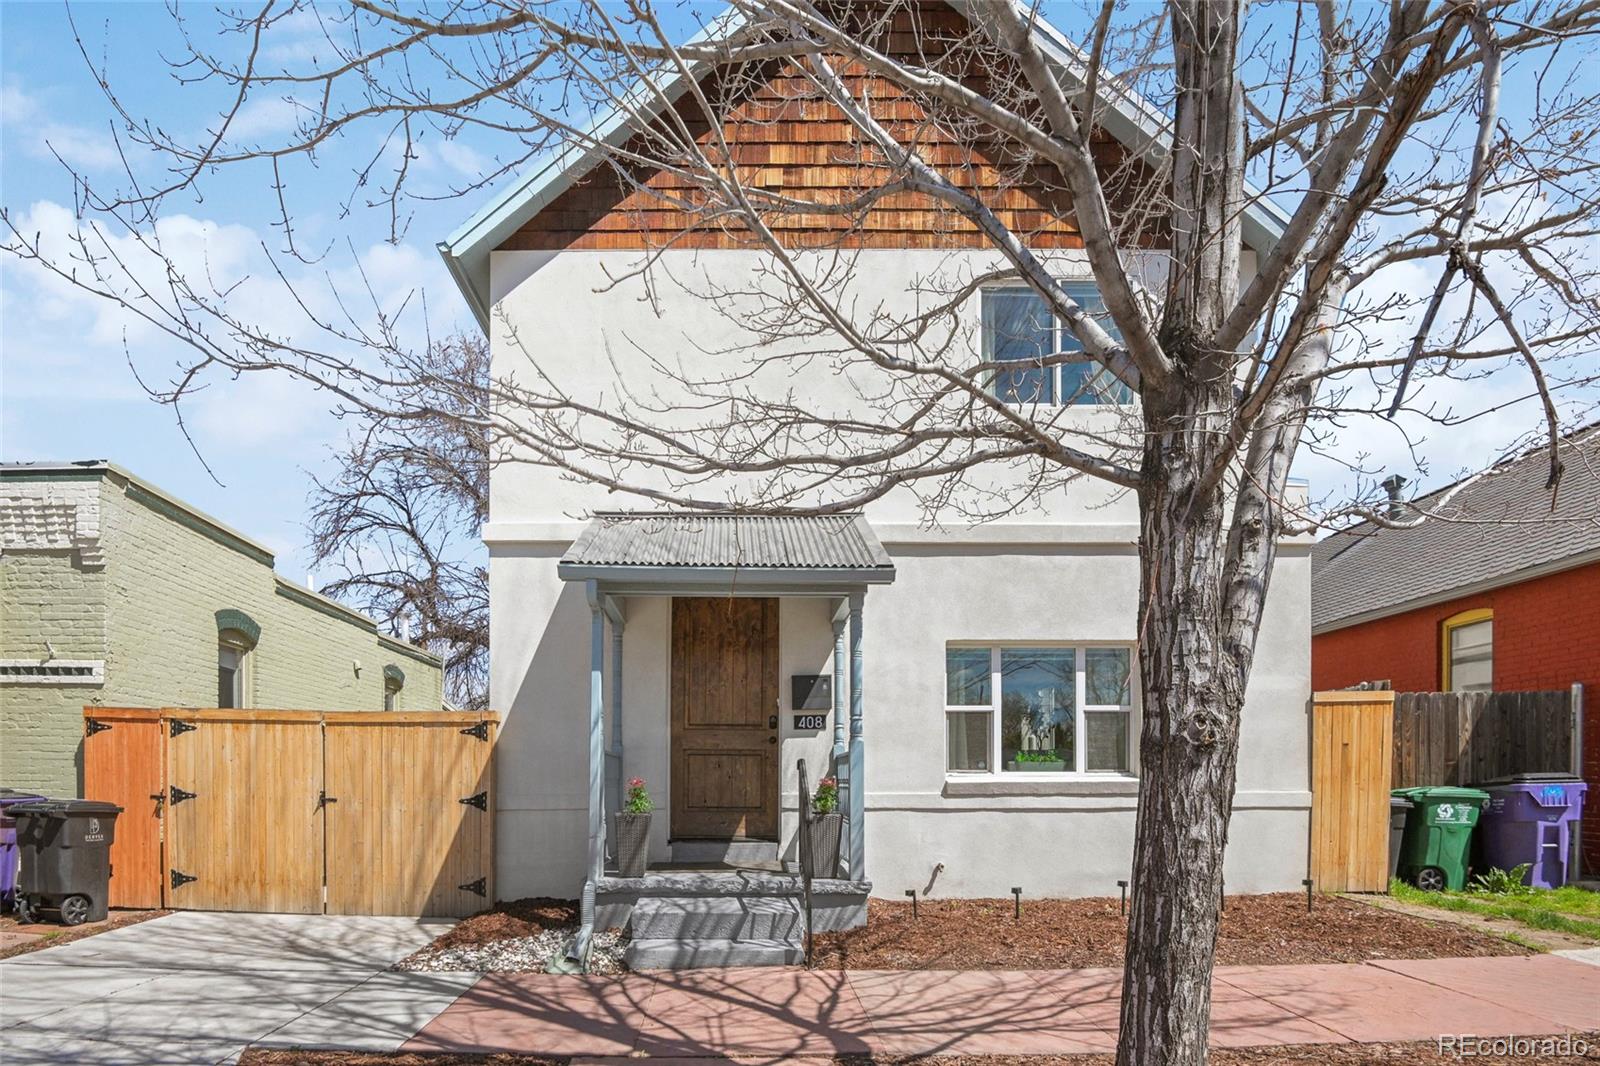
[1493,529]
[729,541]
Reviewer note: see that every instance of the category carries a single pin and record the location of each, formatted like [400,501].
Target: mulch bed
[1076,933]
[52,935]
[508,921]
[1420,1053]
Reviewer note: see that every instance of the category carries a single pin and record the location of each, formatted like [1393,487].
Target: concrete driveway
[198,987]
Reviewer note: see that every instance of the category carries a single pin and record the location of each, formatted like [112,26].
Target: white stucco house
[974,684]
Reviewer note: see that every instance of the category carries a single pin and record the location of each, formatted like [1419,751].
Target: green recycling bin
[1438,835]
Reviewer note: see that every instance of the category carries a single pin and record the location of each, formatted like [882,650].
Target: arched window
[394,679]
[1466,651]
[237,635]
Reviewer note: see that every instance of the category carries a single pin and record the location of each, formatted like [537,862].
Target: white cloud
[42,136]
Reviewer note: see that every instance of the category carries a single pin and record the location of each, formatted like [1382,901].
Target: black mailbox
[812,692]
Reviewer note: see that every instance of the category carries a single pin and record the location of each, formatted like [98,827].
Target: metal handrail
[805,853]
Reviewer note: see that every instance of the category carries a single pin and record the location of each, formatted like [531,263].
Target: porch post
[616,708]
[858,781]
[597,772]
[838,685]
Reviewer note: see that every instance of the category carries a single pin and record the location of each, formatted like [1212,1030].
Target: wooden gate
[1351,737]
[306,812]
[410,816]
[122,756]
[244,811]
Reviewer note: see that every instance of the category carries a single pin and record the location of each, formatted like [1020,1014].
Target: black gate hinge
[481,731]
[91,726]
[176,795]
[181,879]
[480,887]
[480,801]
[176,727]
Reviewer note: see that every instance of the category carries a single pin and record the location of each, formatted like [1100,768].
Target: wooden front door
[724,718]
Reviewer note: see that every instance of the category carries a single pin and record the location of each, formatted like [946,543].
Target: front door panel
[724,718]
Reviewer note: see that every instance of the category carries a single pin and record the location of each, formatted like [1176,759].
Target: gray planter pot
[633,844]
[825,831]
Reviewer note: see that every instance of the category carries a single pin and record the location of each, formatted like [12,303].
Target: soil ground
[19,939]
[508,921]
[1423,1053]
[1077,933]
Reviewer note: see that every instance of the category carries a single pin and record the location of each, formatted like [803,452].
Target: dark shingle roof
[771,542]
[1497,528]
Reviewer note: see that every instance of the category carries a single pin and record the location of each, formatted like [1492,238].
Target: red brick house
[1502,593]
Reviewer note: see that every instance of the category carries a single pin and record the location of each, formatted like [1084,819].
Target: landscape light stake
[1307,883]
[913,894]
[1124,886]
[1223,884]
[1016,894]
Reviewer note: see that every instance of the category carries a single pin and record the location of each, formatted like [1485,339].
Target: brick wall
[1546,636]
[150,613]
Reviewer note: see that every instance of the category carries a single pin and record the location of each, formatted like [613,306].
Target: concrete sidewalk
[785,1013]
[196,987]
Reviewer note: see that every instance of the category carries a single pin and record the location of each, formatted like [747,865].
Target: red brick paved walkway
[783,1013]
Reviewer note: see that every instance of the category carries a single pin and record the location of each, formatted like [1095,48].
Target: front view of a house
[967,666]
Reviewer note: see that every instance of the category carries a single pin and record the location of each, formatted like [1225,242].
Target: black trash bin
[65,848]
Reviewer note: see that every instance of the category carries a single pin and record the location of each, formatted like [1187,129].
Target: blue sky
[68,390]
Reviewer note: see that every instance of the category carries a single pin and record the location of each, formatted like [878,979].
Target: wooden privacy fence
[1351,737]
[1463,738]
[310,812]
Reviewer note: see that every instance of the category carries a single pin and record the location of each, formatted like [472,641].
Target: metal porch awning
[727,552]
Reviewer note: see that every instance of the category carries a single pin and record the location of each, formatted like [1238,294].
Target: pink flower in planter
[638,800]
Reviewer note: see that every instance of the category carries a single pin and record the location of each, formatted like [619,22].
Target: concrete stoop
[688,932]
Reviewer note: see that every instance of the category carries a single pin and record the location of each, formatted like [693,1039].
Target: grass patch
[1569,910]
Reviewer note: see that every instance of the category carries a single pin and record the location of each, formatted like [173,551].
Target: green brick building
[114,593]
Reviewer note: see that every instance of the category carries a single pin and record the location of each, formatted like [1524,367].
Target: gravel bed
[523,954]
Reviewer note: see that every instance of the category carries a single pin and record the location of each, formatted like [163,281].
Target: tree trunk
[1193,689]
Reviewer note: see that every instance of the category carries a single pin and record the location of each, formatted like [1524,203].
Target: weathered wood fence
[1351,737]
[1462,738]
[297,811]
[1365,743]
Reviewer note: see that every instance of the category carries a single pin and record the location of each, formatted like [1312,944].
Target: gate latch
[480,801]
[323,799]
[177,795]
[480,887]
[181,879]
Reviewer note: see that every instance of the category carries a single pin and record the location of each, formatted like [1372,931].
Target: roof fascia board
[674,578]
[1489,584]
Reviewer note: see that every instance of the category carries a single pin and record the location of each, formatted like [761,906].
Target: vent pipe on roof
[1393,484]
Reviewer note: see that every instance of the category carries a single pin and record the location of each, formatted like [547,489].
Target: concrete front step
[732,852]
[694,954]
[718,918]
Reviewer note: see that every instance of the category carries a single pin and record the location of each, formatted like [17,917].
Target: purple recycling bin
[8,845]
[1530,820]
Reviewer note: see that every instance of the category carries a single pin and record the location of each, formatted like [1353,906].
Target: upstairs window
[1469,652]
[1020,329]
[232,664]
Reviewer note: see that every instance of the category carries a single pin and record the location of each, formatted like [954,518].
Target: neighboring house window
[1019,328]
[1468,647]
[1029,709]
[232,662]
[394,679]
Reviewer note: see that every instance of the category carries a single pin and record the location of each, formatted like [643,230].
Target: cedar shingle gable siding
[782,137]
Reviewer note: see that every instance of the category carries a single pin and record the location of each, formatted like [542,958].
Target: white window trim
[1080,750]
[1058,327]
[97,676]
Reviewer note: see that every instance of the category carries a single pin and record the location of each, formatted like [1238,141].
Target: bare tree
[399,522]
[1378,128]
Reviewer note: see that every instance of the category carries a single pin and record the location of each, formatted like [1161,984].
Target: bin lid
[1396,800]
[1531,779]
[9,796]
[1442,794]
[57,808]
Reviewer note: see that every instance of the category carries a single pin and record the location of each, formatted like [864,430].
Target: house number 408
[810,722]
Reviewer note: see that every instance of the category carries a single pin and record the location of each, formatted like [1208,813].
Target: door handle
[774,740]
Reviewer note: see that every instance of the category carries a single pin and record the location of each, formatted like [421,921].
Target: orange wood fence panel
[244,812]
[122,753]
[410,818]
[1352,737]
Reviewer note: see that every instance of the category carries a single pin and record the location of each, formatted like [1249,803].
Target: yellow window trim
[1456,621]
